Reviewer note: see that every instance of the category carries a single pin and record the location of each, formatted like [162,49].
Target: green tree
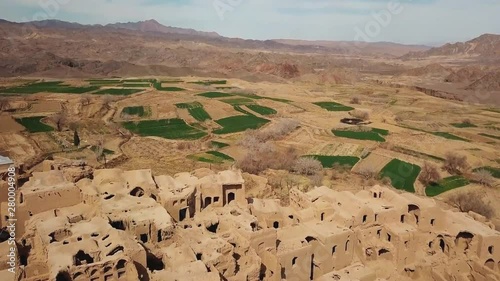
[76,139]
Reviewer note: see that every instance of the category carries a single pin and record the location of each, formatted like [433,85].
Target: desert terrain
[290,115]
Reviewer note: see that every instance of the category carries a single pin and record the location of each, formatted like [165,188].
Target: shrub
[368,173]
[60,119]
[429,174]
[467,122]
[471,201]
[355,100]
[85,99]
[307,166]
[455,164]
[263,156]
[360,114]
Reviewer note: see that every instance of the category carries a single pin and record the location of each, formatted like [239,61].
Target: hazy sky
[404,21]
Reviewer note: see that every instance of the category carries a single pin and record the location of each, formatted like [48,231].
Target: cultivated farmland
[196,110]
[215,95]
[446,184]
[359,135]
[49,87]
[402,174]
[330,161]
[236,124]
[262,110]
[34,124]
[165,128]
[118,92]
[333,106]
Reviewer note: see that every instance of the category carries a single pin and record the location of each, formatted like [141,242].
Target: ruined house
[132,225]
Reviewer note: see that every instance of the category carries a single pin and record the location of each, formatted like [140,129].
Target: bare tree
[60,119]
[483,177]
[4,103]
[108,100]
[455,164]
[429,174]
[368,173]
[85,99]
[307,166]
[471,201]
[100,151]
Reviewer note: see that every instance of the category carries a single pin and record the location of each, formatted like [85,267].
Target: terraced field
[402,174]
[449,136]
[490,136]
[49,87]
[262,110]
[196,110]
[165,128]
[463,125]
[330,161]
[213,95]
[219,144]
[136,110]
[211,157]
[370,135]
[241,123]
[34,124]
[118,92]
[446,184]
[333,106]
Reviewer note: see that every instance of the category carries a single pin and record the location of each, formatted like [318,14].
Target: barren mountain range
[61,49]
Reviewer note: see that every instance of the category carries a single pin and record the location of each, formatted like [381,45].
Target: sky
[430,22]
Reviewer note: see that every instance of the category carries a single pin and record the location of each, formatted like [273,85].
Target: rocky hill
[486,45]
[154,26]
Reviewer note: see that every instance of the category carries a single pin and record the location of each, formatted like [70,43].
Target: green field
[236,124]
[149,80]
[495,172]
[330,161]
[34,124]
[240,109]
[135,110]
[215,95]
[50,87]
[446,184]
[136,85]
[118,92]
[196,110]
[370,135]
[333,106]
[380,131]
[449,136]
[219,144]
[159,87]
[262,110]
[165,128]
[211,157]
[463,125]
[238,101]
[402,174]
[208,83]
[171,81]
[104,82]
[490,136]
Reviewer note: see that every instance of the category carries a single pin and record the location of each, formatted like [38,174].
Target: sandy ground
[9,125]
